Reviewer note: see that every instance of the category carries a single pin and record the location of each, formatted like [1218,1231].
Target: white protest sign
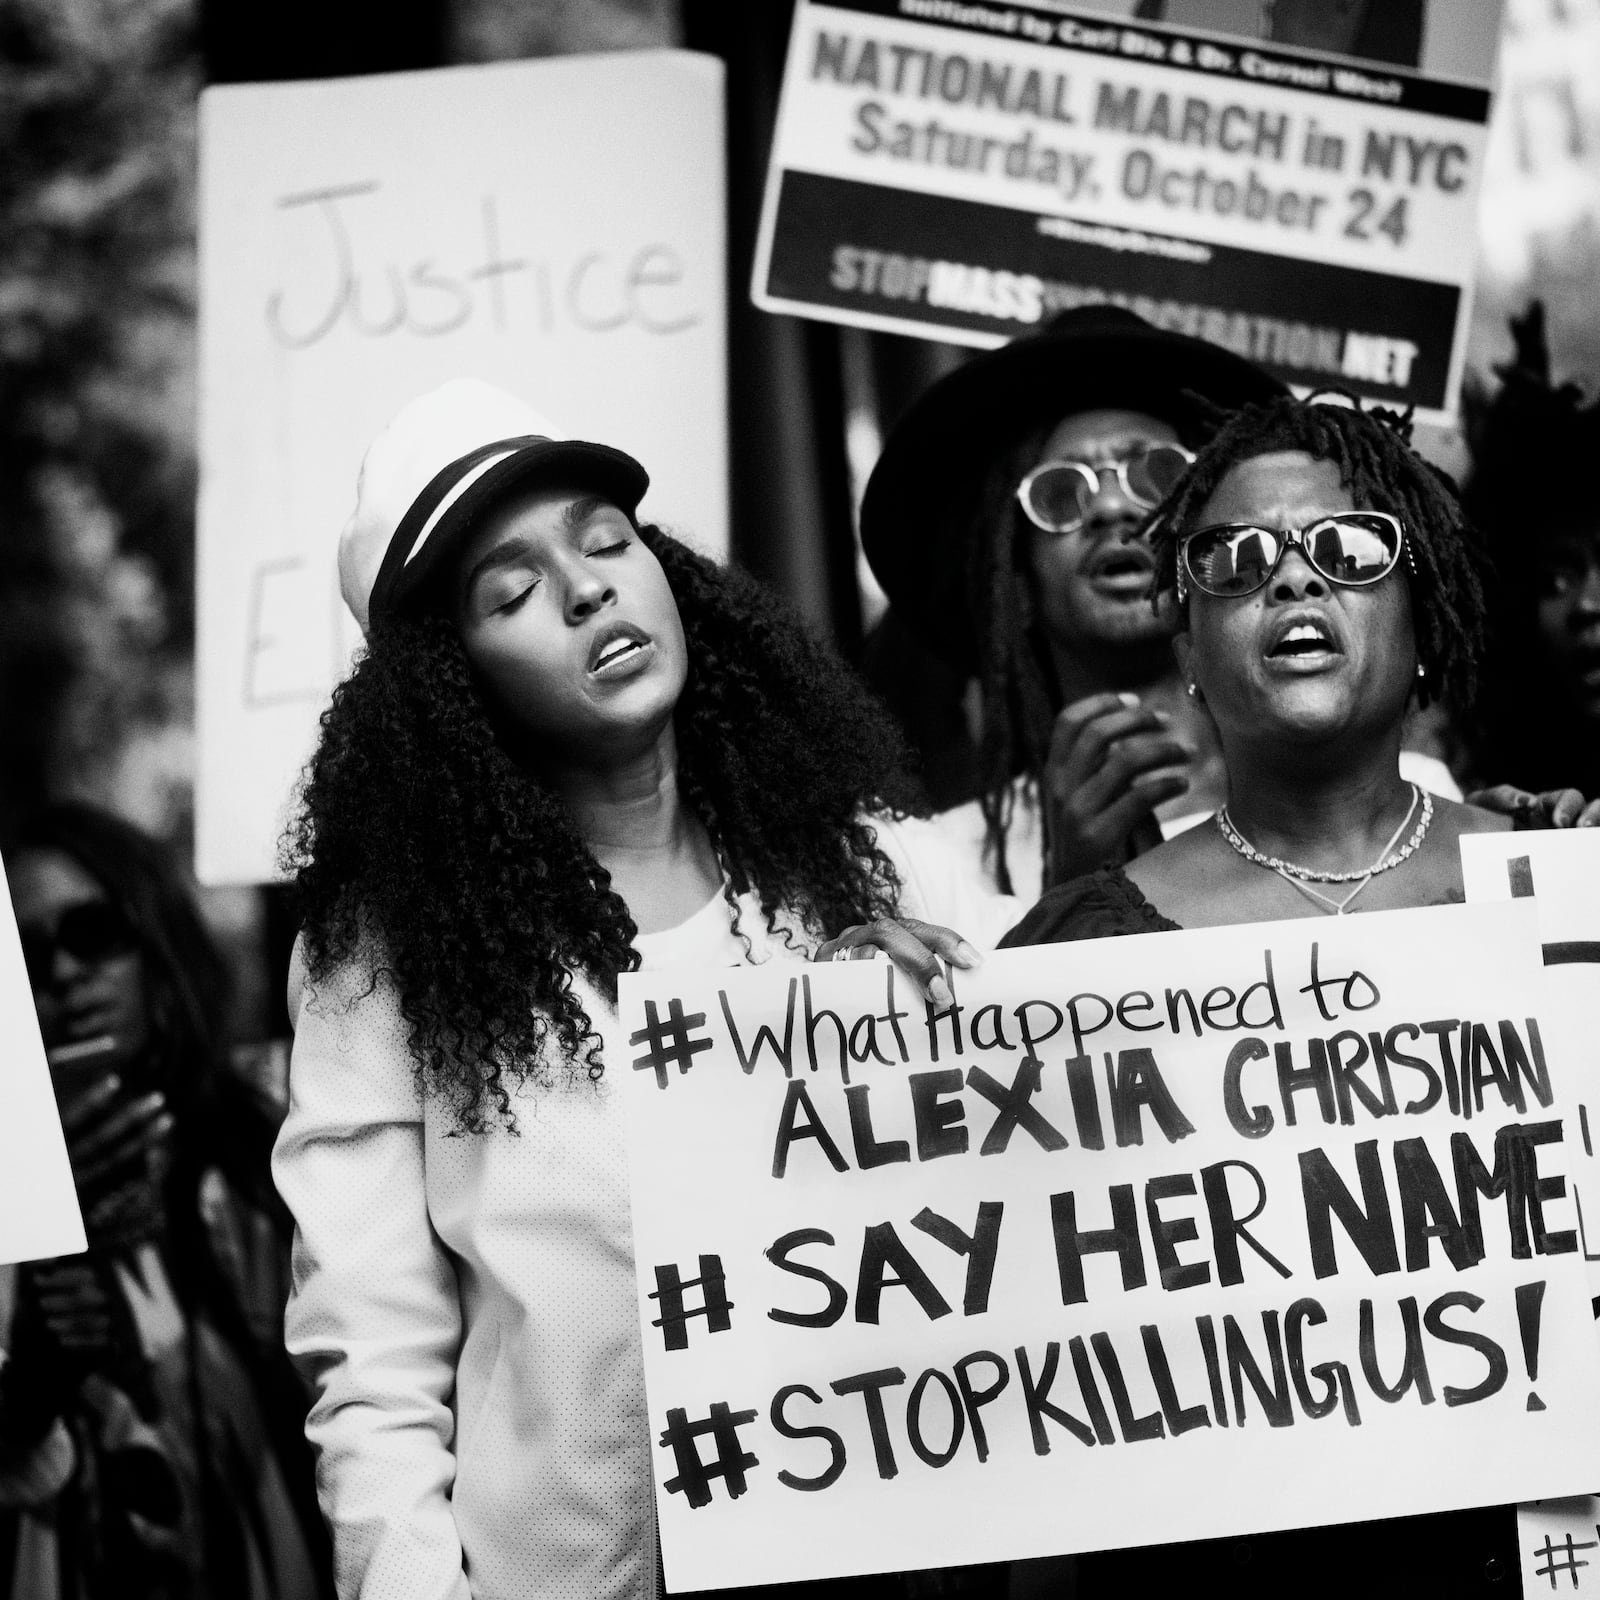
[1275,1206]
[1559,1541]
[555,227]
[966,171]
[1560,869]
[39,1215]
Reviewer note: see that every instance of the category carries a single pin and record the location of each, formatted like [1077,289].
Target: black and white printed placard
[964,171]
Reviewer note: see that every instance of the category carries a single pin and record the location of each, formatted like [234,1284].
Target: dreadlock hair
[1371,448]
[1016,684]
[1525,733]
[423,847]
[1018,693]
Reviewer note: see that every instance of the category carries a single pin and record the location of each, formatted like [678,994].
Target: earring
[1422,672]
[1193,691]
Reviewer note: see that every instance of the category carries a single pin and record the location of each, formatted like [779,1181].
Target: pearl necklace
[1301,878]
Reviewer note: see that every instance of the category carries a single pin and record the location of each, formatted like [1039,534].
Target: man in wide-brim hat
[1002,520]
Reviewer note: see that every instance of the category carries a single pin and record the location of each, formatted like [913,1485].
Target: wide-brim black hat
[918,513]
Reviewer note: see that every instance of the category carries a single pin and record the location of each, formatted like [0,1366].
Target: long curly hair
[1532,444]
[1372,450]
[423,846]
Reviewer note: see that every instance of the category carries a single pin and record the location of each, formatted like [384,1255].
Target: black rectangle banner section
[1374,83]
[858,248]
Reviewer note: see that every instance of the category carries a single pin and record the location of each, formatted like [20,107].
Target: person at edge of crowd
[150,1446]
[1323,572]
[1003,520]
[571,747]
[1541,721]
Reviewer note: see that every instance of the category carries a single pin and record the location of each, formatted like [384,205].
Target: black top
[1447,1554]
[1099,905]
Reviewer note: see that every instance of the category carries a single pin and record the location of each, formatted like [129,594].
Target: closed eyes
[526,583]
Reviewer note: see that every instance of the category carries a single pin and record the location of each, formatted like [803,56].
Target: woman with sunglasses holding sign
[149,1439]
[1325,580]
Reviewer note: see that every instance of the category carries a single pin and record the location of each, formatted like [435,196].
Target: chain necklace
[1301,878]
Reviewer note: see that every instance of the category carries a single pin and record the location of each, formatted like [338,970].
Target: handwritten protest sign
[555,227]
[1560,869]
[968,170]
[1559,1541]
[1262,1207]
[39,1214]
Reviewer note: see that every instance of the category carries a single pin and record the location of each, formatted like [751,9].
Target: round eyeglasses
[1056,495]
[1231,559]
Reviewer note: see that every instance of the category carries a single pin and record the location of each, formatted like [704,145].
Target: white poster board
[1559,868]
[1559,1544]
[928,1288]
[555,227]
[966,171]
[39,1215]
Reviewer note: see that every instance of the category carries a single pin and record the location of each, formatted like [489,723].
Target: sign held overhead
[967,171]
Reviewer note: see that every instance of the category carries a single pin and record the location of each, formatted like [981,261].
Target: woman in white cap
[571,746]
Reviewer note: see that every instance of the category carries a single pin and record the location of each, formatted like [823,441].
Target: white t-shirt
[465,1304]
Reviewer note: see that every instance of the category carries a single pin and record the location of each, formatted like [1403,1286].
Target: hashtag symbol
[1565,1559]
[730,1463]
[714,1307]
[668,1043]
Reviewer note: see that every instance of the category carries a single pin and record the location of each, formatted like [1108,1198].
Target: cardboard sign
[555,227]
[1560,869]
[1275,1207]
[39,1215]
[966,171]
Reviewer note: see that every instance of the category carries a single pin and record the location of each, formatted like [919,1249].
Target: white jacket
[465,1304]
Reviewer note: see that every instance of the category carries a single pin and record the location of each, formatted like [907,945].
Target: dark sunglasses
[1353,548]
[1056,495]
[90,932]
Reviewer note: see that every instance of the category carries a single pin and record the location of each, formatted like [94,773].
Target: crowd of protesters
[1161,592]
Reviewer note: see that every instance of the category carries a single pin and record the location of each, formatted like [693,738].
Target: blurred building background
[97,338]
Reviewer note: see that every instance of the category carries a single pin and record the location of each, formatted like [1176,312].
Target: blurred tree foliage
[97,358]
[97,470]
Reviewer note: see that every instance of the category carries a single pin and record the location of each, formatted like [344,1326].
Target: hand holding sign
[915,947]
[1272,1203]
[1555,808]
